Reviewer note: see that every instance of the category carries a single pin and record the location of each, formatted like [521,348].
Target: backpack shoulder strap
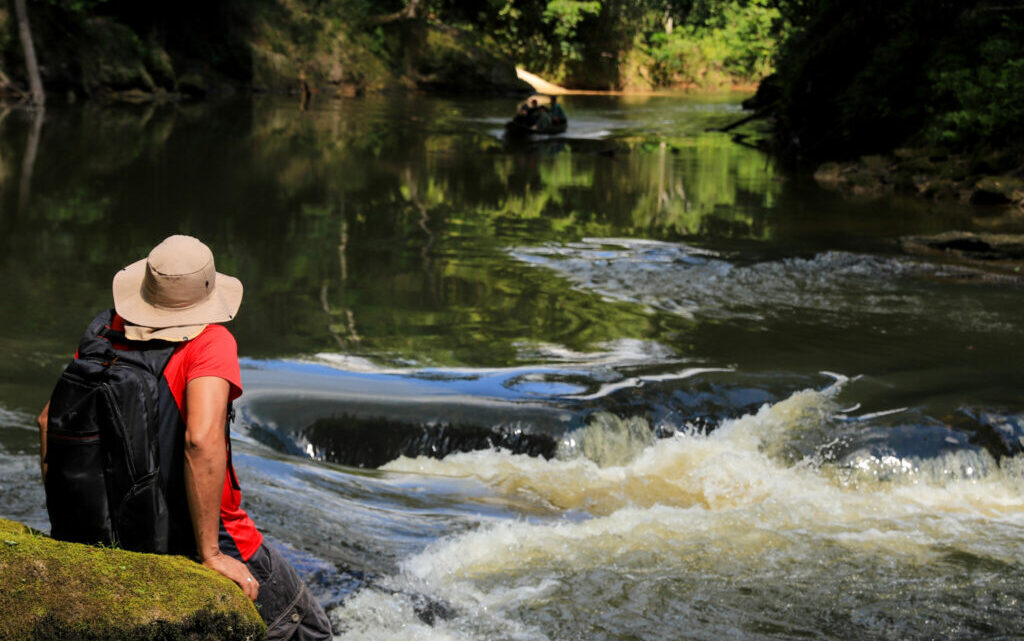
[93,342]
[100,337]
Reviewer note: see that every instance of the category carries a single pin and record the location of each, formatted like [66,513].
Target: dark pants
[284,601]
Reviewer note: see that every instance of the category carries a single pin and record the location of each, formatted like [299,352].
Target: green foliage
[858,78]
[564,17]
[602,43]
[77,6]
[979,96]
[734,40]
[989,101]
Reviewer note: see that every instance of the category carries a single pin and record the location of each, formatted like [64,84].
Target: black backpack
[102,450]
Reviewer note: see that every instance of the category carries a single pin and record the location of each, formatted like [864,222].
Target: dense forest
[840,78]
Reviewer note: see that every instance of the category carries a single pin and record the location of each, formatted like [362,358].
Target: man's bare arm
[206,402]
[44,422]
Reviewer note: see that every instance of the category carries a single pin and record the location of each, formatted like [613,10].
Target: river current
[635,382]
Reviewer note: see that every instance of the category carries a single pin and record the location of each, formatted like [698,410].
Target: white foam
[718,509]
[691,282]
[16,419]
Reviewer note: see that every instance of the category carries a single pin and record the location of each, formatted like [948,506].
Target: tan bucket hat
[174,292]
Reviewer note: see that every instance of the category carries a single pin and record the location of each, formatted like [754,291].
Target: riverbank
[280,47]
[990,179]
[990,182]
[56,590]
[118,51]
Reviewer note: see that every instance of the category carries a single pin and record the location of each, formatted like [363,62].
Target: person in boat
[522,116]
[557,115]
[544,121]
[532,113]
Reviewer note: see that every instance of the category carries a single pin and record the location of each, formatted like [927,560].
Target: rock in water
[56,590]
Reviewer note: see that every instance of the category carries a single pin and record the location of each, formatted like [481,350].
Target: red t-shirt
[213,352]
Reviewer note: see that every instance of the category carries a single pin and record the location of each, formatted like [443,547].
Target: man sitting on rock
[174,300]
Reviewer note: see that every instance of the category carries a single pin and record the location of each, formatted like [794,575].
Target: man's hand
[236,571]
[43,421]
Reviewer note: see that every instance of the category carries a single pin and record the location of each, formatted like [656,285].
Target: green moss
[56,590]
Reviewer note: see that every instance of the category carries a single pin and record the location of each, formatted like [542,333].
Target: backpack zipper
[120,426]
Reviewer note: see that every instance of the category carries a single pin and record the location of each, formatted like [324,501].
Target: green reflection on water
[377,227]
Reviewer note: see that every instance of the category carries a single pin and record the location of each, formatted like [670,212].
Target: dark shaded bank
[917,97]
[989,179]
[867,77]
[139,51]
[56,590]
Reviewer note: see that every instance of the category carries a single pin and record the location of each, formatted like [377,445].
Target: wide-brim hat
[176,288]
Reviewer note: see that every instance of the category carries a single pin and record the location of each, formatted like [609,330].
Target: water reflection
[373,227]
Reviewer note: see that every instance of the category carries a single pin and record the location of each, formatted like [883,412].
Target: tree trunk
[35,83]
[28,163]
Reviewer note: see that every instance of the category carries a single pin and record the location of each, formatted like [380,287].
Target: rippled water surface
[635,382]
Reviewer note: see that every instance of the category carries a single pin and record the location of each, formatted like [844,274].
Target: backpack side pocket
[141,519]
[76,491]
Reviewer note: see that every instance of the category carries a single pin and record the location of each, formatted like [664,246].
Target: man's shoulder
[215,338]
[215,334]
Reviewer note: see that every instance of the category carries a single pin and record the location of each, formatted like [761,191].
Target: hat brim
[170,334]
[220,306]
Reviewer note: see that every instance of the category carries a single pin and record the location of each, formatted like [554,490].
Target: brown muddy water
[635,382]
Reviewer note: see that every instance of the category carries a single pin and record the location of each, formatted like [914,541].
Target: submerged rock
[56,590]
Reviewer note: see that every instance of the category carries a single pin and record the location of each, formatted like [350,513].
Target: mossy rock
[56,590]
[907,153]
[998,190]
[867,180]
[830,173]
[876,163]
[954,168]
[939,189]
[982,247]
[919,165]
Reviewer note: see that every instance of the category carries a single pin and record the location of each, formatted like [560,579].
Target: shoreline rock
[1003,253]
[991,180]
[56,590]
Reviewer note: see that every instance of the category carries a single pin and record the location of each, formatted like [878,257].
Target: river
[636,382]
